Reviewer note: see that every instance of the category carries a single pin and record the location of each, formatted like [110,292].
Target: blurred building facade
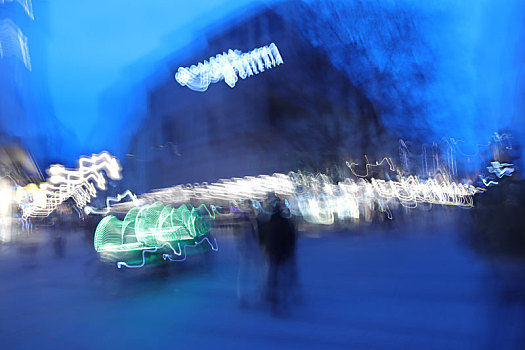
[304,114]
[27,118]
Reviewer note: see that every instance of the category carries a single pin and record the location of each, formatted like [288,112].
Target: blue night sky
[100,47]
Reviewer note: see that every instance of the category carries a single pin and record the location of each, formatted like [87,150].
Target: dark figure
[59,246]
[250,257]
[278,238]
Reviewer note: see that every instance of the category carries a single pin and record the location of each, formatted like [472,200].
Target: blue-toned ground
[406,288]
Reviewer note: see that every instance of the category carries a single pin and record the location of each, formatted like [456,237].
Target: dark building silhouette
[303,114]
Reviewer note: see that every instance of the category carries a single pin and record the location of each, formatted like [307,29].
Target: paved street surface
[402,289]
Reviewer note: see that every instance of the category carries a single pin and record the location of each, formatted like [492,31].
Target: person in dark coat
[278,238]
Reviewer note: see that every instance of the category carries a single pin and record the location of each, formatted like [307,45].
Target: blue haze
[99,58]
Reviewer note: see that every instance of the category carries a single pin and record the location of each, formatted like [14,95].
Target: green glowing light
[151,226]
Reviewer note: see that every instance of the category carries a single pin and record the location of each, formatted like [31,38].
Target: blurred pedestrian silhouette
[59,243]
[250,256]
[277,236]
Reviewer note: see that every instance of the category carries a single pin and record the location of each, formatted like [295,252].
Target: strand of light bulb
[227,66]
[63,183]
[104,211]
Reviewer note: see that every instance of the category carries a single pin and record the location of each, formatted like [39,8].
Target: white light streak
[90,210]
[26,4]
[318,200]
[227,66]
[13,42]
[500,169]
[64,183]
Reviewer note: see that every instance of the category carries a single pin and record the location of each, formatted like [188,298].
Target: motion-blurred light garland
[79,184]
[227,66]
[153,229]
[318,199]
